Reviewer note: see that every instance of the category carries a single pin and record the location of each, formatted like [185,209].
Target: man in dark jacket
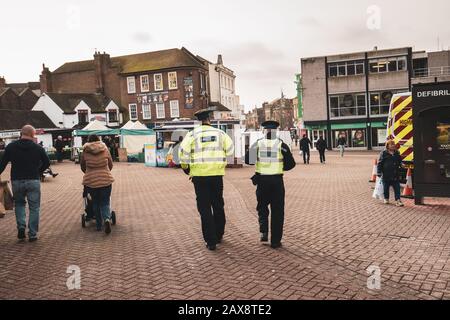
[305,145]
[28,161]
[59,146]
[388,169]
[321,146]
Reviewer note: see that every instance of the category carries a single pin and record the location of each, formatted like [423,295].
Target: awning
[344,126]
[381,125]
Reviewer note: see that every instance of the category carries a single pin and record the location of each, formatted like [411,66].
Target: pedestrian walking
[305,145]
[96,163]
[272,158]
[28,161]
[342,142]
[59,146]
[321,146]
[388,169]
[203,155]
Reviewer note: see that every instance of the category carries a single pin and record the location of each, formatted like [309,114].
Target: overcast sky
[262,41]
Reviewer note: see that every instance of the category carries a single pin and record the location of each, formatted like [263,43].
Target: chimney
[220,60]
[46,80]
[102,62]
[2,82]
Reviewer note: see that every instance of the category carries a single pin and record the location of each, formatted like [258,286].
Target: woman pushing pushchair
[96,163]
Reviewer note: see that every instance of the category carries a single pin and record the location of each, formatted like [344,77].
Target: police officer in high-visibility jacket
[203,155]
[272,157]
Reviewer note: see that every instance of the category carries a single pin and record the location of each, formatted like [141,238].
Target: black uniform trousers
[210,205]
[270,191]
[322,156]
[306,156]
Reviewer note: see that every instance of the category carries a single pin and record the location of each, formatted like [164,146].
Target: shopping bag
[6,197]
[378,193]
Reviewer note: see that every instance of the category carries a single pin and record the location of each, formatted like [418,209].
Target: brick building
[281,110]
[18,96]
[152,87]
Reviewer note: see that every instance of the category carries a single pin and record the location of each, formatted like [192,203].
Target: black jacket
[321,144]
[305,143]
[28,160]
[389,166]
[59,145]
[341,141]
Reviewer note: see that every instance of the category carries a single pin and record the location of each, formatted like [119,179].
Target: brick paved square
[334,230]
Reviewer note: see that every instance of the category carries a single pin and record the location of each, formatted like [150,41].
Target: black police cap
[270,124]
[203,114]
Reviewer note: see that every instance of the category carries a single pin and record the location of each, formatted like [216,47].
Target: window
[332,70]
[173,83]
[83,116]
[112,116]
[133,111]
[145,84]
[343,69]
[160,111]
[381,101]
[174,109]
[388,65]
[146,111]
[158,82]
[348,105]
[131,84]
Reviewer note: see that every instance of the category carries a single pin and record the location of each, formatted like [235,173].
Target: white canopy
[95,126]
[129,125]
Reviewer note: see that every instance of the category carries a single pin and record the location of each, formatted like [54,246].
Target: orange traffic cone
[408,191]
[374,171]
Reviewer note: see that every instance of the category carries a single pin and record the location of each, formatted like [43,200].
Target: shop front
[353,133]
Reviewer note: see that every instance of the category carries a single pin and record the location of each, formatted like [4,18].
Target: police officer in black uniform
[272,157]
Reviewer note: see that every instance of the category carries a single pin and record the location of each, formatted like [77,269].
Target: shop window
[145,84]
[174,109]
[132,107]
[173,83]
[146,111]
[358,138]
[131,84]
[158,82]
[160,111]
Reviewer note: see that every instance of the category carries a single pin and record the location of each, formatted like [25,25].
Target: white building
[222,81]
[77,110]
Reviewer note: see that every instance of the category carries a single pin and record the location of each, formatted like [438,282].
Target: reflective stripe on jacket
[269,159]
[205,150]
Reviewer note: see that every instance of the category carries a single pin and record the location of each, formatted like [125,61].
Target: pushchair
[89,214]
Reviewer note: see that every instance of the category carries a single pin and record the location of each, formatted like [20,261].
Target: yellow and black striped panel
[400,127]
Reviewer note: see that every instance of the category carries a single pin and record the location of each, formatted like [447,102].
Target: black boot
[264,236]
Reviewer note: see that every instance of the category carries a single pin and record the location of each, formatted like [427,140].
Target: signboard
[443,135]
[150,155]
[153,97]
[9,134]
[381,136]
[189,93]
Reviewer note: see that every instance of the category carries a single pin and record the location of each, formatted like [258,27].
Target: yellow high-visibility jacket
[204,151]
[269,157]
